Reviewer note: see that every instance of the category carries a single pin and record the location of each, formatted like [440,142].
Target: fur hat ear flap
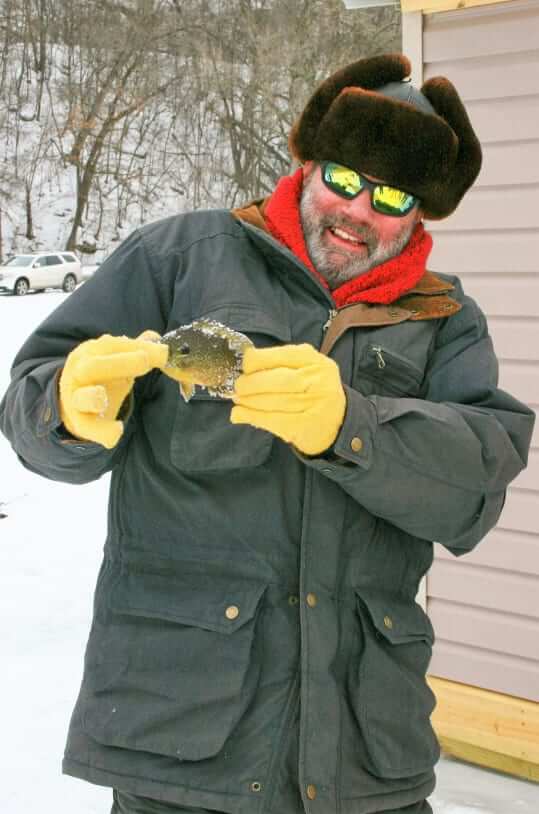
[445,100]
[367,118]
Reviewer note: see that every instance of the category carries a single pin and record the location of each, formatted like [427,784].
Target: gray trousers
[130,804]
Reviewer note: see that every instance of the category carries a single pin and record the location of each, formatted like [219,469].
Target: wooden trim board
[488,728]
[433,6]
[490,760]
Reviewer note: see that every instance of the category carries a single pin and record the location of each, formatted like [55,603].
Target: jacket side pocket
[389,695]
[171,671]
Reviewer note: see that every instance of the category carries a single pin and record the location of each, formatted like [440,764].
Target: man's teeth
[345,235]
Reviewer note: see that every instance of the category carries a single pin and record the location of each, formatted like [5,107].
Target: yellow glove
[97,377]
[292,391]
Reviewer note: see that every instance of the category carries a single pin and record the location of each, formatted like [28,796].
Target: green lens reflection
[392,201]
[344,180]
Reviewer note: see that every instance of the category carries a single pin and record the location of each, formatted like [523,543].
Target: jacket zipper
[331,316]
[380,361]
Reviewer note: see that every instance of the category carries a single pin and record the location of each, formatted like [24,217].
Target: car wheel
[21,287]
[69,284]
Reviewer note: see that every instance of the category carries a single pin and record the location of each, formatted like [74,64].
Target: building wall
[485,606]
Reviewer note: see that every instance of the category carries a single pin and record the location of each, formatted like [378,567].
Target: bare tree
[266,56]
[142,107]
[106,84]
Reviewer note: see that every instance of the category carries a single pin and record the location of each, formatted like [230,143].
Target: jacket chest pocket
[172,670]
[382,371]
[389,695]
[203,439]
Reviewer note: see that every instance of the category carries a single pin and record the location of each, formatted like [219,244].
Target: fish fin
[187,390]
[239,344]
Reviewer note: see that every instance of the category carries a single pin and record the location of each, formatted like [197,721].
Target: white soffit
[368,3]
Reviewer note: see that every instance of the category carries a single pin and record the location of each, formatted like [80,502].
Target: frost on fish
[187,391]
[207,354]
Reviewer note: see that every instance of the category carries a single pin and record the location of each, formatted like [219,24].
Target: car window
[41,261]
[19,260]
[53,260]
[69,258]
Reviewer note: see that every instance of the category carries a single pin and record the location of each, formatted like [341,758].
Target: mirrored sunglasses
[349,184]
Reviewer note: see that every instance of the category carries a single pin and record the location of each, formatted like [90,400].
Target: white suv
[39,271]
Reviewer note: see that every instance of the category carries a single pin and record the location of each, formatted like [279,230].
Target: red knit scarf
[382,284]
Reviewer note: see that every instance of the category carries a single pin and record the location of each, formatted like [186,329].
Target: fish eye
[184,349]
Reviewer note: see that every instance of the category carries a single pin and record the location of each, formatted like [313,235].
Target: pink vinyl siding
[485,606]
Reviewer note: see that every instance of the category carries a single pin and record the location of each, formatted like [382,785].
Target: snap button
[311,791]
[232,612]
[356,444]
[256,786]
[293,599]
[311,600]
[388,622]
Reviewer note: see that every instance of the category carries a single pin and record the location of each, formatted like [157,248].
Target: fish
[207,354]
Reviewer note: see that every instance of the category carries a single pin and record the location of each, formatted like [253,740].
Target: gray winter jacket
[256,645]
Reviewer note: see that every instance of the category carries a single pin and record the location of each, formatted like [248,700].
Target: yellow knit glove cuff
[292,391]
[97,377]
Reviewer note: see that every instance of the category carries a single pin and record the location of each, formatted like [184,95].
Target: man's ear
[308,169]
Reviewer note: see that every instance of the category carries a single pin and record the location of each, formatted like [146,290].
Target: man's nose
[359,208]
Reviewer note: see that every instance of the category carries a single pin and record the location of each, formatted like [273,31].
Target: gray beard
[321,255]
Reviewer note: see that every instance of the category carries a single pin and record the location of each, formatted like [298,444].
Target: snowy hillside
[37,184]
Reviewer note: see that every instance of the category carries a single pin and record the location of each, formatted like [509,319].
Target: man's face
[345,238]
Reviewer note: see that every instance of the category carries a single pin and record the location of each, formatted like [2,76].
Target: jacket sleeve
[124,297]
[437,467]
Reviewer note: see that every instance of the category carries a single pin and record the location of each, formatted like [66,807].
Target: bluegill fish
[205,353]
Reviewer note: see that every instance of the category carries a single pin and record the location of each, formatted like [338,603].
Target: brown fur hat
[424,145]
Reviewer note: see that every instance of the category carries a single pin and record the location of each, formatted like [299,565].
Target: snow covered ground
[50,550]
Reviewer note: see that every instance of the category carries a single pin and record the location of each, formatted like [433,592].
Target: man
[256,646]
